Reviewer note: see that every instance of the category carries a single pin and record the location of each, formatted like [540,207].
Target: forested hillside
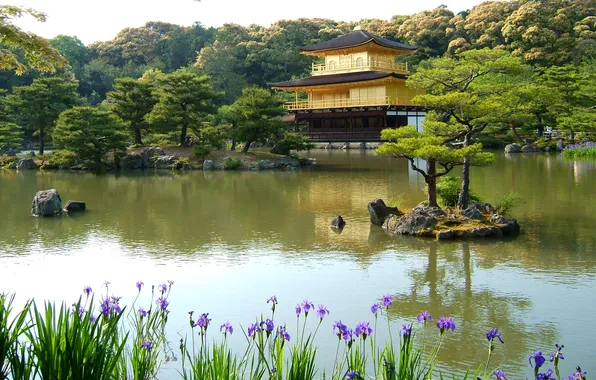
[543,33]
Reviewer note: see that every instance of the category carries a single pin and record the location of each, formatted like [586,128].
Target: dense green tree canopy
[38,105]
[91,132]
[440,158]
[185,99]
[255,111]
[132,100]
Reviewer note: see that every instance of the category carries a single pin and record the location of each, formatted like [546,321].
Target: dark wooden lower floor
[355,125]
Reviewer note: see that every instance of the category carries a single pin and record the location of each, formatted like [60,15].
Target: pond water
[230,240]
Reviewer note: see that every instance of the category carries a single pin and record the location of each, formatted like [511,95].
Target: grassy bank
[582,150]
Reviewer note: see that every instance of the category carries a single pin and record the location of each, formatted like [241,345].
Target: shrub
[506,203]
[291,141]
[543,143]
[6,160]
[231,163]
[448,189]
[63,158]
[201,151]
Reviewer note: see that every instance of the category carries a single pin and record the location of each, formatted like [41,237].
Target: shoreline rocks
[338,223]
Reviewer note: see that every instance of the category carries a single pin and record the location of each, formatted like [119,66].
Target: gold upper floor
[358,61]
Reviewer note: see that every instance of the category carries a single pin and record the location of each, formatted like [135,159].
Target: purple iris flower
[499,374]
[538,359]
[82,311]
[364,329]
[272,299]
[339,328]
[492,334]
[162,303]
[105,308]
[252,329]
[92,318]
[269,326]
[142,312]
[306,306]
[545,376]
[445,323]
[170,283]
[322,311]
[146,345]
[140,285]
[374,308]
[347,336]
[353,375]
[425,316]
[387,300]
[281,331]
[227,328]
[163,288]
[203,321]
[298,310]
[87,290]
[406,330]
[557,354]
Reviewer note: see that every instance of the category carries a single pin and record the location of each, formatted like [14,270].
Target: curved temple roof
[336,79]
[355,38]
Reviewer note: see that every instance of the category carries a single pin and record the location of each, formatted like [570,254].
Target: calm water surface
[230,240]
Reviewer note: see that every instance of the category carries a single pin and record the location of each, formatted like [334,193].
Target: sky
[101,20]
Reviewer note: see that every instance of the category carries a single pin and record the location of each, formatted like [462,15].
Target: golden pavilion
[356,91]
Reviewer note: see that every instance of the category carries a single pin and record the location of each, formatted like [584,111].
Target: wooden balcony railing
[341,103]
[359,65]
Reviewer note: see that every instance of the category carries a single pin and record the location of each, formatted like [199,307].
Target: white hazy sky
[100,20]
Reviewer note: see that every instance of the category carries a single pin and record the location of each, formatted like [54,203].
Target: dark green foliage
[231,163]
[201,151]
[254,113]
[11,136]
[39,104]
[132,100]
[91,133]
[185,99]
[448,189]
[62,158]
[292,141]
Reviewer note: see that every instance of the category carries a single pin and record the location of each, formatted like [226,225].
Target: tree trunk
[540,131]
[138,140]
[183,135]
[246,146]
[41,140]
[99,163]
[572,135]
[233,144]
[464,194]
[514,131]
[431,182]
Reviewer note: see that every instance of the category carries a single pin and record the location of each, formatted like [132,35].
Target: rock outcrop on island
[478,220]
[379,211]
[46,203]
